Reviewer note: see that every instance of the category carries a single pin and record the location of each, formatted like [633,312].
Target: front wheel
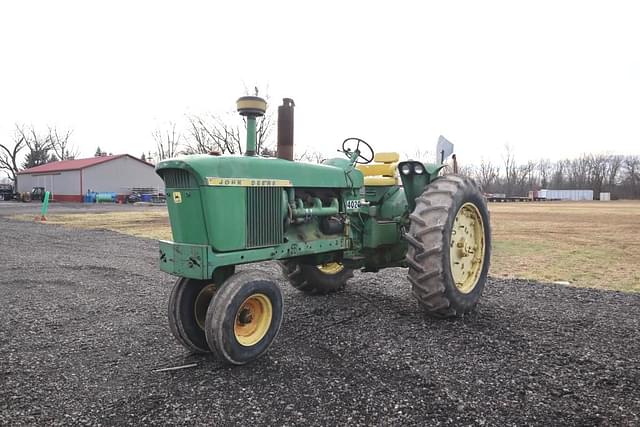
[187,311]
[449,246]
[244,317]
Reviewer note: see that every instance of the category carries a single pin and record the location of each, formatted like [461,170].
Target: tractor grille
[264,216]
[178,178]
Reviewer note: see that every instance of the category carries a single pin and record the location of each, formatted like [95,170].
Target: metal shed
[69,180]
[565,194]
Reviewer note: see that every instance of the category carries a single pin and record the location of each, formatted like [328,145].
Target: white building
[69,180]
[566,194]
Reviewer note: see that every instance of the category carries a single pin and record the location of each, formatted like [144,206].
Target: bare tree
[632,175]
[420,154]
[317,157]
[524,177]
[579,172]
[545,172]
[510,169]
[598,169]
[213,133]
[614,166]
[60,145]
[9,155]
[222,133]
[310,156]
[487,174]
[38,145]
[167,142]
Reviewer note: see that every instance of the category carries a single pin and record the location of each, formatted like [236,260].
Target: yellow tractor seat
[383,172]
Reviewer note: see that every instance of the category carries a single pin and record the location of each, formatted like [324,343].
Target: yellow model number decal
[247,182]
[177,197]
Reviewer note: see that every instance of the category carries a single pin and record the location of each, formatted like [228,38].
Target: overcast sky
[552,79]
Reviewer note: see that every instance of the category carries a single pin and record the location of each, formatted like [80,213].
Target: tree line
[617,174]
[222,133]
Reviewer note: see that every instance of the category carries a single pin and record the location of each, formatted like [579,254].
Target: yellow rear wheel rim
[253,320]
[467,248]
[331,268]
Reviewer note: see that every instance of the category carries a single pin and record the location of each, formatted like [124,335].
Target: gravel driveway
[84,329]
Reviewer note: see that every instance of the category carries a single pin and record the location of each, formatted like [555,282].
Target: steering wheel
[361,159]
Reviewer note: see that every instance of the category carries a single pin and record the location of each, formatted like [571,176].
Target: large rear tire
[449,246]
[316,279]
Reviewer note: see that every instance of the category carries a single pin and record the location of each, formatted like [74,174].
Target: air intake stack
[251,107]
[285,129]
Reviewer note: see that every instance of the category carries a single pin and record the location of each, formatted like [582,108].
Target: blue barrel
[146,197]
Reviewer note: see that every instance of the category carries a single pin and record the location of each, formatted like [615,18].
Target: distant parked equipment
[565,194]
[6,192]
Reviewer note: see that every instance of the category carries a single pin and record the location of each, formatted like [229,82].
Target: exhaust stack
[285,129]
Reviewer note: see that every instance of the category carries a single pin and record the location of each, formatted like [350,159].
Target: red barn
[69,180]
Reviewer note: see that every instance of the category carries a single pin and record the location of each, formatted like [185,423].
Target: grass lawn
[591,244]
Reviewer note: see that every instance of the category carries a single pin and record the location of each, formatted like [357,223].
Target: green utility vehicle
[361,211]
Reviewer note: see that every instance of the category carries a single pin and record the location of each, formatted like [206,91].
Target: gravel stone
[83,315]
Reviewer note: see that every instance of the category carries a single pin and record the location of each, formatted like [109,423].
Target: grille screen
[264,216]
[178,178]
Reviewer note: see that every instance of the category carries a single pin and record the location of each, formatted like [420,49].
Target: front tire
[316,279]
[187,312]
[244,317]
[449,247]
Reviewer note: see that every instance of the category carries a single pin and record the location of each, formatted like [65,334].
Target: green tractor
[321,222]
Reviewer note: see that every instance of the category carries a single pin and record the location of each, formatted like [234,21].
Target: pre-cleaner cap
[251,106]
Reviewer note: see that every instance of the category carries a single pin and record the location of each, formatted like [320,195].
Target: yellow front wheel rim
[467,248]
[331,268]
[253,320]
[201,304]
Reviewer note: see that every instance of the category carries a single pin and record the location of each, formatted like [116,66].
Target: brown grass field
[592,244]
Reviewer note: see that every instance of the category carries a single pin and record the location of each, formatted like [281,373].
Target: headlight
[405,169]
[418,168]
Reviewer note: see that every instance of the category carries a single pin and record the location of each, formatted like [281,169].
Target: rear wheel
[187,312]
[449,246]
[244,317]
[316,279]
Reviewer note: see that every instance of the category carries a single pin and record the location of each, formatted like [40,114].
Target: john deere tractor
[321,222]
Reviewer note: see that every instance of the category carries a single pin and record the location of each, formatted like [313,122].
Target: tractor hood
[208,170]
